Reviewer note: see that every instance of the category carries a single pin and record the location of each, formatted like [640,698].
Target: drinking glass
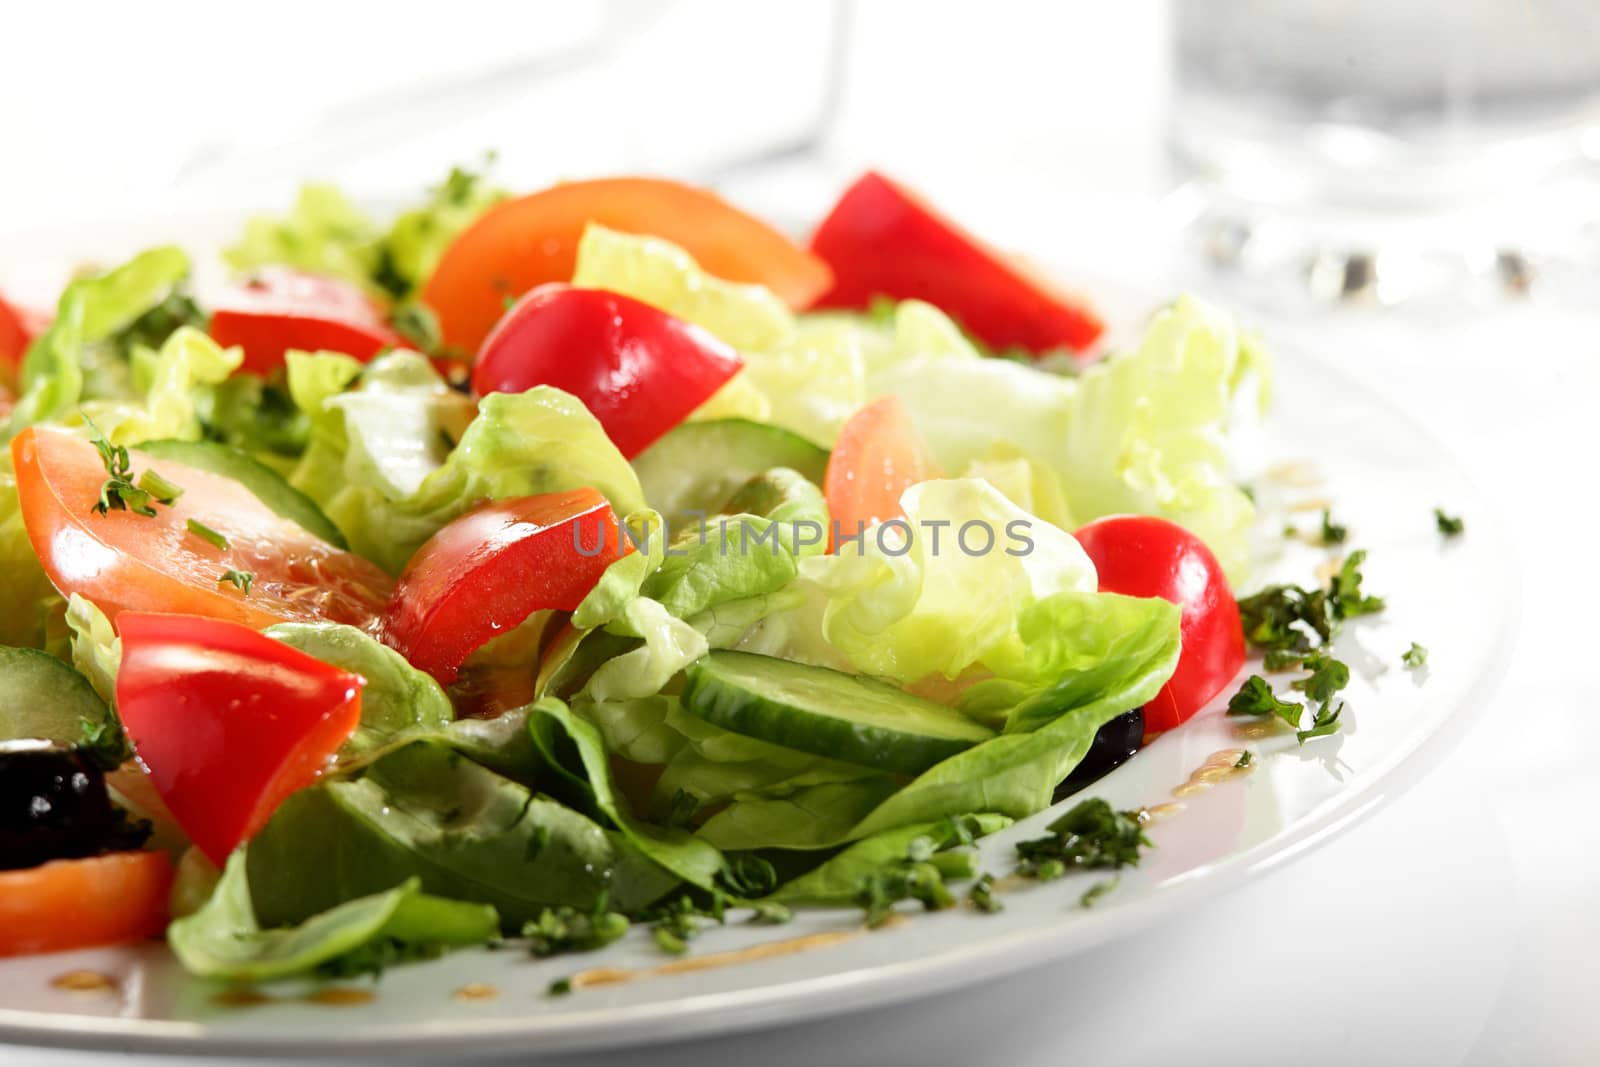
[1385,150]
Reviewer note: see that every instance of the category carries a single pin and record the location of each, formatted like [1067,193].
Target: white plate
[1384,475]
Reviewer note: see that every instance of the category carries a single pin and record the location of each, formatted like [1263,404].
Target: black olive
[54,805]
[1114,744]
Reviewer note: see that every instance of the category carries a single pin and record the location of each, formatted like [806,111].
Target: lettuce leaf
[940,608]
[398,699]
[324,233]
[380,466]
[224,941]
[74,359]
[1147,430]
[839,879]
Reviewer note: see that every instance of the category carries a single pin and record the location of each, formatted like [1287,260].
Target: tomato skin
[1141,555]
[67,904]
[639,370]
[124,561]
[490,569]
[883,240]
[519,244]
[228,721]
[18,327]
[280,309]
[879,455]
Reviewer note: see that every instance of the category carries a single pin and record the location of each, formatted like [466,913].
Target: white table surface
[1456,926]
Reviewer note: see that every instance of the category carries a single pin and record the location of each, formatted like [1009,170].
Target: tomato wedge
[1141,555]
[18,327]
[490,569]
[639,370]
[882,240]
[123,561]
[280,309]
[102,900]
[228,721]
[879,455]
[526,242]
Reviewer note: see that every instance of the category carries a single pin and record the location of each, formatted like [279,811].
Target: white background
[1457,925]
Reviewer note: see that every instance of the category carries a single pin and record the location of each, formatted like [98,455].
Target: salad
[535,567]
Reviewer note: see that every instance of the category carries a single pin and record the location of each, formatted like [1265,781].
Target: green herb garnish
[1255,697]
[1449,525]
[1091,835]
[1415,656]
[770,913]
[1327,677]
[559,988]
[206,533]
[567,929]
[1245,759]
[160,489]
[241,579]
[1098,890]
[1332,532]
[982,895]
[1326,722]
[1291,618]
[119,493]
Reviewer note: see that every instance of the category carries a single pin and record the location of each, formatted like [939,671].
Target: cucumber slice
[267,484]
[41,697]
[826,712]
[699,465]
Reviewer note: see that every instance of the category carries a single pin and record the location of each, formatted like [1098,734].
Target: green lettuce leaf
[379,461]
[224,940]
[398,699]
[556,728]
[429,812]
[324,233]
[76,358]
[96,648]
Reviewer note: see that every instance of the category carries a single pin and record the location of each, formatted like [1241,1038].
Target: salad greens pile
[603,797]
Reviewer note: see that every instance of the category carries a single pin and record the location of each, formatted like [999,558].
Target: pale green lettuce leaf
[940,609]
[622,580]
[397,700]
[659,273]
[1147,430]
[359,470]
[324,233]
[96,648]
[73,360]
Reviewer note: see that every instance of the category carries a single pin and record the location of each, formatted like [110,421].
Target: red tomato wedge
[879,455]
[639,370]
[490,569]
[18,327]
[102,900]
[123,561]
[281,309]
[523,243]
[228,721]
[1141,555]
[882,240]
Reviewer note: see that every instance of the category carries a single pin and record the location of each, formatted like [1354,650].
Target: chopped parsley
[1326,722]
[1093,894]
[1255,697]
[1291,618]
[1415,656]
[1327,677]
[1282,659]
[161,491]
[206,533]
[982,895]
[119,493]
[567,929]
[1091,835]
[1332,532]
[559,988]
[240,579]
[1449,525]
[1245,759]
[770,913]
